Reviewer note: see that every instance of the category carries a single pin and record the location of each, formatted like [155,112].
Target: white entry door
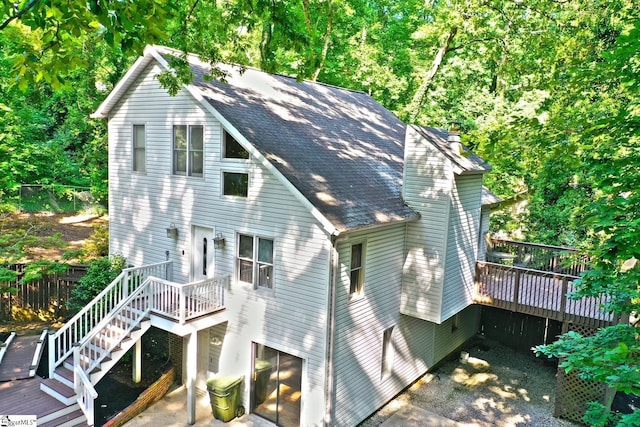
[202,252]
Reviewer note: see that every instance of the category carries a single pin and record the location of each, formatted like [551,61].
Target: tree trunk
[325,46]
[418,98]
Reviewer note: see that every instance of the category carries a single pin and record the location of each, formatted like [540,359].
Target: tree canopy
[547,91]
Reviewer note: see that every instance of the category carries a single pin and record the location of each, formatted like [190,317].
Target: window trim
[255,261]
[222,183]
[134,165]
[388,352]
[223,154]
[188,151]
[359,291]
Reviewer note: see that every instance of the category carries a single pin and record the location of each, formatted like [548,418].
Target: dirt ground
[496,387]
[74,230]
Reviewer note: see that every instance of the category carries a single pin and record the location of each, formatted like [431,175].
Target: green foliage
[98,244]
[100,274]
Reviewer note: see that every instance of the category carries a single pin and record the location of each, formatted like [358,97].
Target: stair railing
[60,343]
[109,333]
[85,392]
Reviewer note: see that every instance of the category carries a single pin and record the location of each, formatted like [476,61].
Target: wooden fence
[46,297]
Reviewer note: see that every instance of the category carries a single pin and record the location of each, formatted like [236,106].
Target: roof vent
[454,137]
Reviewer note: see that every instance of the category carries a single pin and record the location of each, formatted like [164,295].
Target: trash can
[261,375]
[224,394]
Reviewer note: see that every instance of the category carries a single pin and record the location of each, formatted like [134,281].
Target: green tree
[101,272]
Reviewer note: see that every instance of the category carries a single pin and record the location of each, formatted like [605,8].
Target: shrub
[100,274]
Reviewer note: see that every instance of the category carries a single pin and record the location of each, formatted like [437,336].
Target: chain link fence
[56,198]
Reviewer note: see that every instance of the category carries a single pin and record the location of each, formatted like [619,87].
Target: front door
[276,386]
[201,253]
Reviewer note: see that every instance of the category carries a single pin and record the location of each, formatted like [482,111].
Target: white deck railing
[60,344]
[85,394]
[184,302]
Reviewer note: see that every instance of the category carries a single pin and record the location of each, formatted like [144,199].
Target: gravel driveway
[496,387]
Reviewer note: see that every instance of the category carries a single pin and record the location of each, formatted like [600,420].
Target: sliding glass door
[276,386]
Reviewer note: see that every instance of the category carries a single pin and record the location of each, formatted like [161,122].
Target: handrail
[37,354]
[187,301]
[536,292]
[99,308]
[91,357]
[5,345]
[86,394]
[557,259]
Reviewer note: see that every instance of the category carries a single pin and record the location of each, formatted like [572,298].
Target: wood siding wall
[462,244]
[428,179]
[360,326]
[292,316]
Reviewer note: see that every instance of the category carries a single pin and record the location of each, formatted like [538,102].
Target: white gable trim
[119,89]
[151,52]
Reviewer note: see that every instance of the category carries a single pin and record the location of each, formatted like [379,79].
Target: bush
[100,274]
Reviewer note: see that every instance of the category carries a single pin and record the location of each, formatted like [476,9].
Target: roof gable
[339,150]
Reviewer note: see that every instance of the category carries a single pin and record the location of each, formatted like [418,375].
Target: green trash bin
[224,394]
[261,376]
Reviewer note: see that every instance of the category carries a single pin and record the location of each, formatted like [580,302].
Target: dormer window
[232,148]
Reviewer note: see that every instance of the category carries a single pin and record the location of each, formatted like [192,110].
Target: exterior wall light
[218,241]
[172,231]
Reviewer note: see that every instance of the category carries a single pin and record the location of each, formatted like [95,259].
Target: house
[348,239]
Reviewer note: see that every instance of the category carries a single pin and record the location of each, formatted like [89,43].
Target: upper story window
[235,184]
[232,148]
[255,261]
[139,149]
[188,154]
[356,272]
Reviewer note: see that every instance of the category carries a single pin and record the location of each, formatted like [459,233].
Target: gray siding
[360,387]
[485,216]
[462,244]
[428,179]
[291,317]
[447,339]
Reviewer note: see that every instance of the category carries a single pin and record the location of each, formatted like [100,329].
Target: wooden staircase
[94,340]
[89,345]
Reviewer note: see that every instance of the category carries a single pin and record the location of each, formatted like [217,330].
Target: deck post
[516,290]
[136,366]
[192,370]
[563,298]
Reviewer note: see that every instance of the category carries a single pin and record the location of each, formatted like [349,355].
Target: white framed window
[255,260]
[356,270]
[231,149]
[235,184]
[188,150]
[139,148]
[388,352]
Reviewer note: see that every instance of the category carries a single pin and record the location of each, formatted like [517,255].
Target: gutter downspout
[336,238]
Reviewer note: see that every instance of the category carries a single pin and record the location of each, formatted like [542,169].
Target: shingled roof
[342,150]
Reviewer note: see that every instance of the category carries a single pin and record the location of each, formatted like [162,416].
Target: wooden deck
[17,361]
[539,293]
[24,397]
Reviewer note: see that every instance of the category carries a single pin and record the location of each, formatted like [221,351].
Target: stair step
[64,375]
[55,415]
[58,390]
[72,419]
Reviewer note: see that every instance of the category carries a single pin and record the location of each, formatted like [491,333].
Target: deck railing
[535,292]
[556,259]
[60,343]
[184,302]
[85,394]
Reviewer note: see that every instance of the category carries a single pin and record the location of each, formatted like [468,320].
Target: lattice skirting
[572,392]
